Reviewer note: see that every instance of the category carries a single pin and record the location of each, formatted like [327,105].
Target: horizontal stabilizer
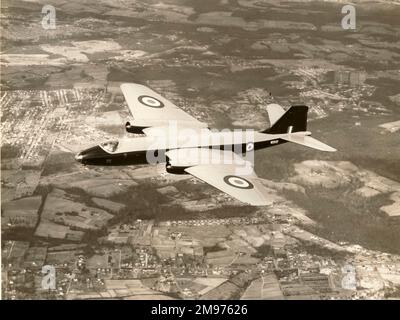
[305,140]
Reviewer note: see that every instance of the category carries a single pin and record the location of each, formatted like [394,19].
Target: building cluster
[173,260]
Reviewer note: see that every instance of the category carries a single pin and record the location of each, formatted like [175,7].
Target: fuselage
[146,149]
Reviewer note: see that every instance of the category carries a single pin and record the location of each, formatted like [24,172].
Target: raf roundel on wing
[150,102]
[238,182]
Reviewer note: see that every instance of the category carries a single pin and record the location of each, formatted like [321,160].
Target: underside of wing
[228,178]
[181,130]
[187,157]
[149,109]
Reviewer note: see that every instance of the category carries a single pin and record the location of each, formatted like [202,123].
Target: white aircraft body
[188,146]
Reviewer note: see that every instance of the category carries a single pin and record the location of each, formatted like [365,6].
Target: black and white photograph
[217,151]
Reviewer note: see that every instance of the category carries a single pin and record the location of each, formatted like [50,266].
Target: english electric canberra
[187,146]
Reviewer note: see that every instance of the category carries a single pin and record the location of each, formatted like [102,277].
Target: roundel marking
[238,182]
[250,146]
[150,102]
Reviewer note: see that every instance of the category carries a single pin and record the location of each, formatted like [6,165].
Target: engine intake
[174,169]
[134,129]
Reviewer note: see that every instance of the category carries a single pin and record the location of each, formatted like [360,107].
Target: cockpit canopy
[109,146]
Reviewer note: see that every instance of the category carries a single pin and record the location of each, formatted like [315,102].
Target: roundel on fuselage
[149,101]
[250,146]
[238,182]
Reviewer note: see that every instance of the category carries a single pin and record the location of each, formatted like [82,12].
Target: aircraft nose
[79,157]
[92,155]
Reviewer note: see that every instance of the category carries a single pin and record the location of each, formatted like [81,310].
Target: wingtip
[330,149]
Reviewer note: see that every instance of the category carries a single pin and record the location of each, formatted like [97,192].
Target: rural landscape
[332,229]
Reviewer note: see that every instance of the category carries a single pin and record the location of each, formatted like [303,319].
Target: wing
[150,109]
[224,170]
[246,188]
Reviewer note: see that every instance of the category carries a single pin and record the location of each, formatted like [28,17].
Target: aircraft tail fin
[292,126]
[293,120]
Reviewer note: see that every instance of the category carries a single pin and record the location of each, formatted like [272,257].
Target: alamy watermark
[349,281]
[49,277]
[202,146]
[349,20]
[49,18]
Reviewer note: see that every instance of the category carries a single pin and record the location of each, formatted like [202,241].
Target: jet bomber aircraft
[187,146]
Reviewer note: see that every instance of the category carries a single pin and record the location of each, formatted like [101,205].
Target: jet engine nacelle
[134,129]
[174,169]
